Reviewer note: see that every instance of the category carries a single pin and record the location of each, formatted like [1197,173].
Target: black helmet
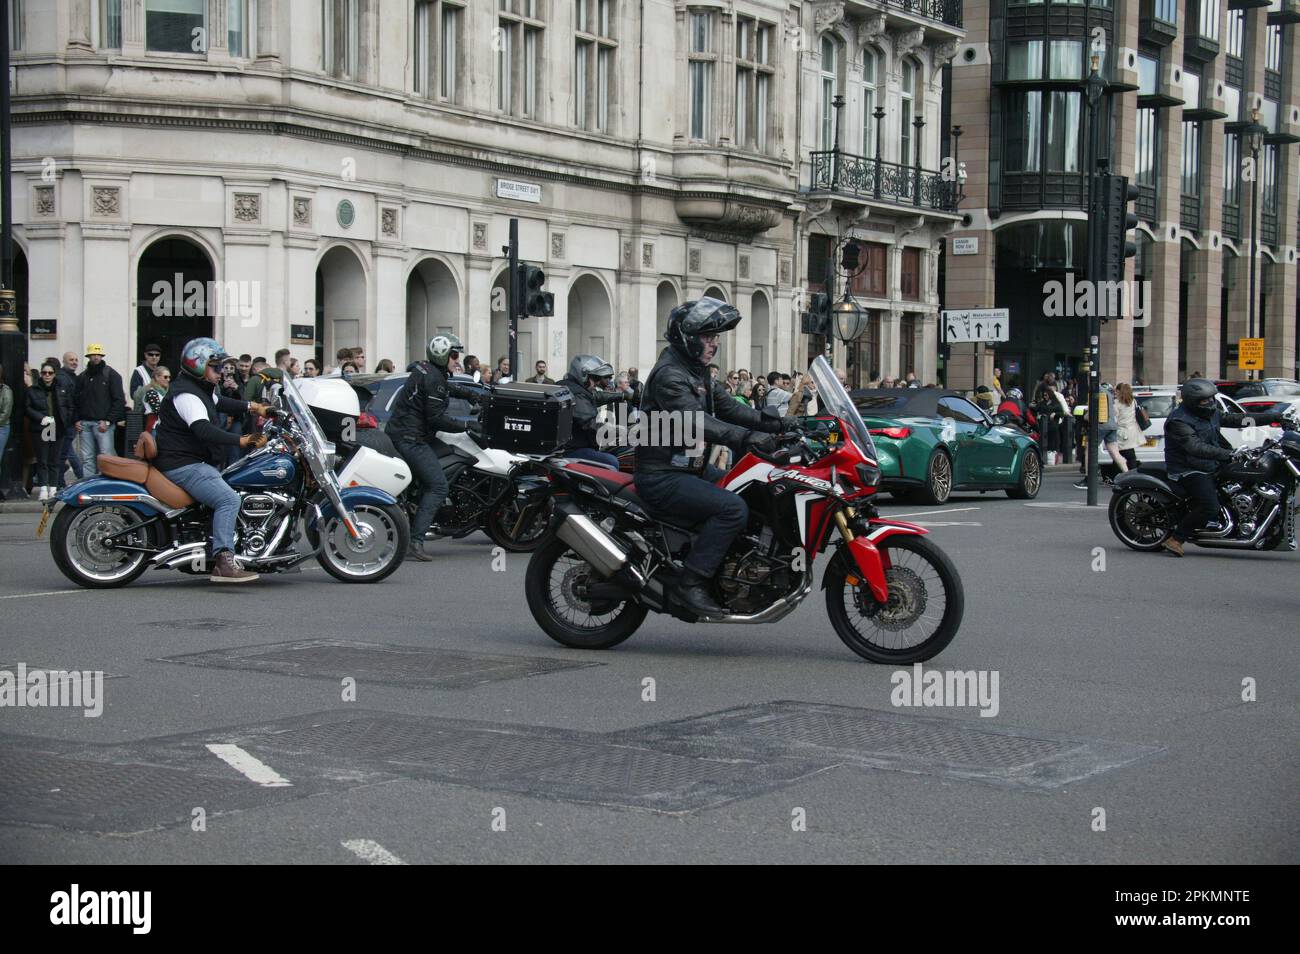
[441,347]
[584,366]
[689,320]
[1198,396]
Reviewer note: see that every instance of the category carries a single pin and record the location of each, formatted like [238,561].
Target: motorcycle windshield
[833,399]
[315,447]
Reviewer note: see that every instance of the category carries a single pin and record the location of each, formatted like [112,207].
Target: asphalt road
[1120,701]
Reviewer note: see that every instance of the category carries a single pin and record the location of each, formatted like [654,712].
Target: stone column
[387,338]
[79,39]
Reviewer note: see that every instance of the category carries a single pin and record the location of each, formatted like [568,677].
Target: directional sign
[980,324]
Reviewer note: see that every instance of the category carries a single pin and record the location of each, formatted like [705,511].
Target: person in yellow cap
[100,404]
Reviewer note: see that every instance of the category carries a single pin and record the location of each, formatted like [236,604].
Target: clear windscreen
[833,399]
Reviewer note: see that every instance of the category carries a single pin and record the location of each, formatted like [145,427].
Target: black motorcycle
[1257,501]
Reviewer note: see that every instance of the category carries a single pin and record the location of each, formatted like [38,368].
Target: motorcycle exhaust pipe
[593,544]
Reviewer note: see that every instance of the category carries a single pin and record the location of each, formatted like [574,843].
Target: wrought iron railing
[883,181]
[944,11]
[1190,211]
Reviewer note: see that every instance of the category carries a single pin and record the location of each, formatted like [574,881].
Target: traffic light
[817,319]
[1116,223]
[536,302]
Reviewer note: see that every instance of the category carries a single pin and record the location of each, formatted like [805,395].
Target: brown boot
[1174,546]
[226,570]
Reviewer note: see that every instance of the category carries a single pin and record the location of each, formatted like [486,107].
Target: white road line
[24,596]
[249,766]
[371,852]
[890,515]
[948,523]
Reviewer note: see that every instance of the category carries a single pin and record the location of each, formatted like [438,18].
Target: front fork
[870,561]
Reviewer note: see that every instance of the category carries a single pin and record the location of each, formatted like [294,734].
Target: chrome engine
[257,529]
[1250,505]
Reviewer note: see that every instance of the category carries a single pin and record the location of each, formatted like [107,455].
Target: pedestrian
[66,381]
[100,405]
[149,397]
[633,378]
[777,395]
[1129,426]
[232,423]
[142,376]
[758,394]
[485,377]
[6,419]
[539,374]
[42,414]
[1051,409]
[472,368]
[502,375]
[293,369]
[385,366]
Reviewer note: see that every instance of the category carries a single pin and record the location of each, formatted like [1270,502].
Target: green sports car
[931,442]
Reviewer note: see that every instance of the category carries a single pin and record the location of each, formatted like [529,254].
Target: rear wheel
[923,612]
[379,548]
[555,586]
[1142,519]
[77,544]
[1031,478]
[938,479]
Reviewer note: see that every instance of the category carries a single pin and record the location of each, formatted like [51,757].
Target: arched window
[906,106]
[870,62]
[829,87]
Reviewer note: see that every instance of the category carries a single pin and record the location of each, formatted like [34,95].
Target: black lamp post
[1255,138]
[879,114]
[958,194]
[838,104]
[918,124]
[1096,86]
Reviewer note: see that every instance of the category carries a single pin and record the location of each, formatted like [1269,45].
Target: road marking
[249,766]
[371,852]
[1061,505]
[24,596]
[948,523]
[924,513]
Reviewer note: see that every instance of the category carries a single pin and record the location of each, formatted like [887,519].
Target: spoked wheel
[938,480]
[556,587]
[77,543]
[517,531]
[1141,519]
[1031,478]
[923,611]
[378,549]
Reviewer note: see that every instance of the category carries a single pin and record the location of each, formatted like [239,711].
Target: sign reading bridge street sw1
[979,324]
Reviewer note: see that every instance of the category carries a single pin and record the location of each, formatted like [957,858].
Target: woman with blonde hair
[1126,421]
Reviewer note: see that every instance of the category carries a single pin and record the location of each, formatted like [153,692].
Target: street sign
[980,324]
[1250,354]
[966,246]
[519,191]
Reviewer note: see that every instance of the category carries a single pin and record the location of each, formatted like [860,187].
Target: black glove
[789,424]
[761,443]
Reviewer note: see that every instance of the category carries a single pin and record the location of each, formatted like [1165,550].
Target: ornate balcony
[941,11]
[866,179]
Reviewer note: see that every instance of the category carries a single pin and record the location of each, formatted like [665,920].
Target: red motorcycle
[892,595]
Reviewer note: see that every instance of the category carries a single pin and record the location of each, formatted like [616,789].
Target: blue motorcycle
[115,526]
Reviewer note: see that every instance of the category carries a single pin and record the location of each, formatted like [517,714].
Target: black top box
[525,418]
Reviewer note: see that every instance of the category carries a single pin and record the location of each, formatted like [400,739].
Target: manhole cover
[889,740]
[412,666]
[46,789]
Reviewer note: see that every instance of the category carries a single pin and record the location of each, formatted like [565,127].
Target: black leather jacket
[1194,444]
[586,405]
[421,407]
[685,386]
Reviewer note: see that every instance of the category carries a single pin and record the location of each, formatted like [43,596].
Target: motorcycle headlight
[870,476]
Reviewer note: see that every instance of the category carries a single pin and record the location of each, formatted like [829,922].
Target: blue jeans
[69,454]
[423,460]
[203,482]
[92,442]
[591,454]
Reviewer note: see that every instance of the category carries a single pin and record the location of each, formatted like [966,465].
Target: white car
[1159,400]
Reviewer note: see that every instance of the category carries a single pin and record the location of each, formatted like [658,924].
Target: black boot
[692,592]
[415,551]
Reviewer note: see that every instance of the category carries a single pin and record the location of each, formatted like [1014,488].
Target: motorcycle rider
[191,443]
[679,484]
[1014,405]
[1194,449]
[419,412]
[588,381]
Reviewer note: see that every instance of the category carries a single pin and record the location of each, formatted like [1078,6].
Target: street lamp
[1255,139]
[1096,87]
[849,318]
[958,193]
[879,114]
[918,124]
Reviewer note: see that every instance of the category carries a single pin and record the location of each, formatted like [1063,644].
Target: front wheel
[516,531]
[923,611]
[378,549]
[556,588]
[77,544]
[1142,519]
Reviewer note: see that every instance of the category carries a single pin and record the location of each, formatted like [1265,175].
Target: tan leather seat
[141,472]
